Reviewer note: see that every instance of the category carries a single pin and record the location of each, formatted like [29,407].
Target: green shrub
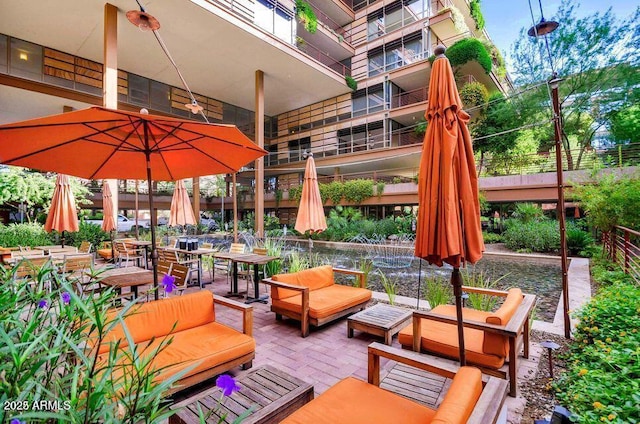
[44,328]
[390,287]
[527,212]
[306,16]
[602,380]
[534,236]
[474,94]
[13,235]
[577,240]
[334,191]
[605,272]
[89,232]
[476,14]
[295,193]
[469,49]
[356,191]
[479,279]
[351,82]
[490,238]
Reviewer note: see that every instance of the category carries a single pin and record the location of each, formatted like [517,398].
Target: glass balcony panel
[26,59]
[4,54]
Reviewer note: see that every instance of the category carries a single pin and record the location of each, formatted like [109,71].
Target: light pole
[541,29]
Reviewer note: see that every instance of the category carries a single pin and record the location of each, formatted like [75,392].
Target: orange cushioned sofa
[490,338]
[312,297]
[470,399]
[198,342]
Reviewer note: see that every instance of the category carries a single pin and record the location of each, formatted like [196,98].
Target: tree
[624,125]
[596,57]
[19,186]
[490,129]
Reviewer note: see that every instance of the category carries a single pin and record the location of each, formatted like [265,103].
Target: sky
[505,20]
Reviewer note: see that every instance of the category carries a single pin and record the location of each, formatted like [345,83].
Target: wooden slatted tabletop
[379,320]
[271,395]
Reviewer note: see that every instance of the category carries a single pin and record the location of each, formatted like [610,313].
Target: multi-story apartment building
[248,62]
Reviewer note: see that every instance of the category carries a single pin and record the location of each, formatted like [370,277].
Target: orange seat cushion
[496,344]
[461,398]
[159,318]
[105,253]
[202,348]
[326,302]
[442,338]
[356,402]
[314,278]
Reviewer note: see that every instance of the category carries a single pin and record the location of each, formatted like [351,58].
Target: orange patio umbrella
[108,218]
[310,211]
[101,143]
[63,215]
[448,227]
[181,212]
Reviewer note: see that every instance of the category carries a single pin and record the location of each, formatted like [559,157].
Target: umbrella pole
[62,238]
[456,282]
[154,250]
[419,283]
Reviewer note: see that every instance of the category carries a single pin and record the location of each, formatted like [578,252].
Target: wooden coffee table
[379,320]
[271,394]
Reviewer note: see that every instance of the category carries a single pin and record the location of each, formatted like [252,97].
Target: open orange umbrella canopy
[63,215]
[99,143]
[181,212]
[108,220]
[448,222]
[310,212]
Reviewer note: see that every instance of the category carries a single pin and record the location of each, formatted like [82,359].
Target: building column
[110,78]
[259,172]
[196,198]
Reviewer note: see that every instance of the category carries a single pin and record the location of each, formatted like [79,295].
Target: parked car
[125,225]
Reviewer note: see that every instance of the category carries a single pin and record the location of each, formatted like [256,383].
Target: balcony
[323,57]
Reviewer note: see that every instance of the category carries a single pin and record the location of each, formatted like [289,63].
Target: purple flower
[168,281]
[227,384]
[16,421]
[66,297]
[43,304]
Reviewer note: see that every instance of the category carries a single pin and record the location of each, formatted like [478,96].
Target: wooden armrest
[247,312]
[522,314]
[284,285]
[478,325]
[491,401]
[489,292]
[424,362]
[358,274]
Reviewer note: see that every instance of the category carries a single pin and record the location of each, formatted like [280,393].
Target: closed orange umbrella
[181,210]
[101,143]
[63,215]
[448,227]
[310,212]
[108,220]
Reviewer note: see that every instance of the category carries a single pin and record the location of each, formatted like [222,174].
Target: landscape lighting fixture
[194,107]
[143,20]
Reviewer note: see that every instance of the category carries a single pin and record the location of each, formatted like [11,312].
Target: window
[360,138]
[138,90]
[398,53]
[26,59]
[160,96]
[3,54]
[394,16]
[274,18]
[298,147]
[368,100]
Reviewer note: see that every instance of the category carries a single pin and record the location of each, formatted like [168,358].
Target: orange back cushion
[157,319]
[495,344]
[461,398]
[314,278]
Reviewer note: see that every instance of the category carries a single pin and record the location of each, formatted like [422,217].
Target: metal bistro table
[144,244]
[249,259]
[127,277]
[198,253]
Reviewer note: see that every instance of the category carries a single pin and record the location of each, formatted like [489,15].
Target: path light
[465,296]
[551,347]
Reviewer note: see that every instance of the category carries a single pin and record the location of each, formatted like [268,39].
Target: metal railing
[621,245]
[323,58]
[410,97]
[330,24]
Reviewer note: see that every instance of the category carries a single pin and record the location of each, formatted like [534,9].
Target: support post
[259,170]
[110,79]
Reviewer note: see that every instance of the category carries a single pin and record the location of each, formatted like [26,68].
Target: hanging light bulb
[143,20]
[194,107]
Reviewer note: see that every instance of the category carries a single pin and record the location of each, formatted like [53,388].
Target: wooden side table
[271,394]
[379,320]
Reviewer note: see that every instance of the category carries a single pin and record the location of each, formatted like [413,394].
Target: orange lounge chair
[312,297]
[490,337]
[352,401]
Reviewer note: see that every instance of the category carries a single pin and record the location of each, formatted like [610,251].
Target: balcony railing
[409,97]
[323,58]
[621,245]
[331,24]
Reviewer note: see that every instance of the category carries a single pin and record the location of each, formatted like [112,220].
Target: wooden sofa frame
[517,330]
[303,316]
[490,403]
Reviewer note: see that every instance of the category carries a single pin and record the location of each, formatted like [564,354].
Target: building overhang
[217,51]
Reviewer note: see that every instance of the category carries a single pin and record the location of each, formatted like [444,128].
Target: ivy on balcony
[306,16]
[476,14]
